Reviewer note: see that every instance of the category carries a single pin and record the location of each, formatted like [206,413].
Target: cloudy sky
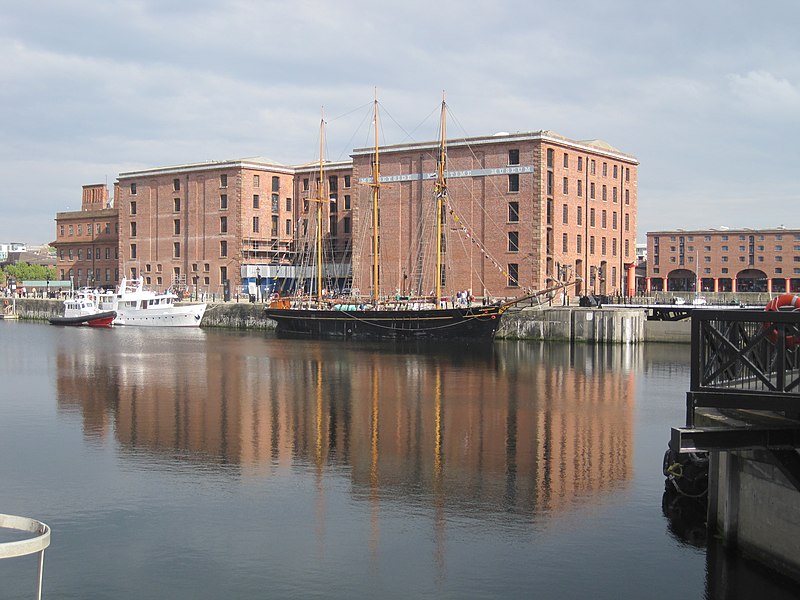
[705,94]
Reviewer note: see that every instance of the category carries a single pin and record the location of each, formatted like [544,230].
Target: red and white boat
[82,310]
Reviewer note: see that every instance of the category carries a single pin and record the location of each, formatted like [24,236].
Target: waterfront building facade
[338,193]
[208,227]
[87,241]
[724,260]
[524,210]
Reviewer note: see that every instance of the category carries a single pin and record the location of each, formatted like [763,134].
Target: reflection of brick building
[87,241]
[724,260]
[519,432]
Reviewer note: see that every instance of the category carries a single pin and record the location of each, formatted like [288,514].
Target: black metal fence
[745,359]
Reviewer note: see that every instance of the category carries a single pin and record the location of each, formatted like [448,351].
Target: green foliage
[24,272]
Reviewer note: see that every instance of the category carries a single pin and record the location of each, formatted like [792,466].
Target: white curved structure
[38,543]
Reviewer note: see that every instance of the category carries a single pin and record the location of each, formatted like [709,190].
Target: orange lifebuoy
[782,302]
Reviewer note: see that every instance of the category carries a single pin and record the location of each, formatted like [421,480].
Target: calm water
[205,464]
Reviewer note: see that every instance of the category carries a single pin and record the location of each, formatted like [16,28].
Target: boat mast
[440,190]
[319,200]
[376,184]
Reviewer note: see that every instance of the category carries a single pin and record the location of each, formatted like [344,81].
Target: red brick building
[87,241]
[523,209]
[724,260]
[193,227]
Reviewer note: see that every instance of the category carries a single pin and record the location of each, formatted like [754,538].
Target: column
[631,279]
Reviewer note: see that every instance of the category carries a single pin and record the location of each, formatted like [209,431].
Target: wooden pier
[743,408]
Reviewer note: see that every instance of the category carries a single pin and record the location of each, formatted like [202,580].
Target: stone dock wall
[561,323]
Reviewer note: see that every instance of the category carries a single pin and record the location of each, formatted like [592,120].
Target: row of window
[513,216]
[223,183]
[223,204]
[333,183]
[64,254]
[176,275]
[98,229]
[725,270]
[615,169]
[148,268]
[725,237]
[176,250]
[93,276]
[513,186]
[513,244]
[725,258]
[513,159]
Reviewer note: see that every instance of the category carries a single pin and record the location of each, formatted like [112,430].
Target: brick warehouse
[87,241]
[541,206]
[724,260]
[198,225]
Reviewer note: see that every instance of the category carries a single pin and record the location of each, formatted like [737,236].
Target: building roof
[254,162]
[596,146]
[725,230]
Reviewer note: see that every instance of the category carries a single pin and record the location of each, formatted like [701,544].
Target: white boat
[82,310]
[140,307]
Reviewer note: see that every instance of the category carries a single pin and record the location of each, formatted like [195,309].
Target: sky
[706,95]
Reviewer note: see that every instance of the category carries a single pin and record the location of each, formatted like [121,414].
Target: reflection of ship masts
[319,458]
[438,474]
[374,480]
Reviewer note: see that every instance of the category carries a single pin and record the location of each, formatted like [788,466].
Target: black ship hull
[473,323]
[101,319]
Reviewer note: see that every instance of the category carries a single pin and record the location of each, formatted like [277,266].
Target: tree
[22,271]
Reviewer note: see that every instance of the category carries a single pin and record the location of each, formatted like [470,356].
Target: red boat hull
[103,319]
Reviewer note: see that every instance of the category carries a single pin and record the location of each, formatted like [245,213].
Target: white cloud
[764,94]
[709,109]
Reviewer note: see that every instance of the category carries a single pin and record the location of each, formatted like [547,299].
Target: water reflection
[217,463]
[523,429]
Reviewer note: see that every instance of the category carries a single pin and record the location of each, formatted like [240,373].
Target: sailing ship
[431,317]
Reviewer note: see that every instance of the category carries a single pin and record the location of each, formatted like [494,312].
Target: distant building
[724,260]
[87,241]
[8,250]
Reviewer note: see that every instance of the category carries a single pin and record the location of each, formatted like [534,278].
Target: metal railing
[745,359]
[38,543]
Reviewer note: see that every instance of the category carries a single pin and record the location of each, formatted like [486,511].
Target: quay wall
[558,323]
[589,325]
[755,509]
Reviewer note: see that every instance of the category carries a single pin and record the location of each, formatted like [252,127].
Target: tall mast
[440,190]
[376,184]
[319,200]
